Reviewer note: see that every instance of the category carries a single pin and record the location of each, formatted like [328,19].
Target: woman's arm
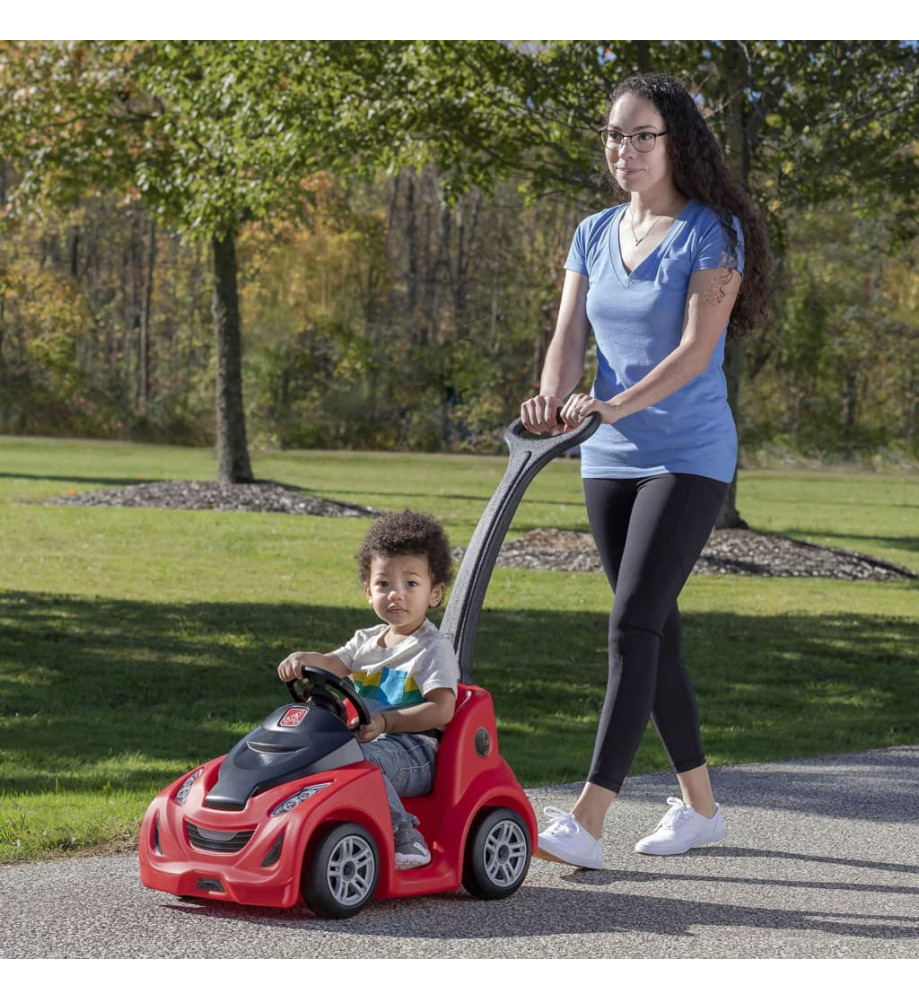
[564,363]
[709,302]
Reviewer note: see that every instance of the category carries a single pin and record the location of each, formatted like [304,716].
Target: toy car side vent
[155,835]
[222,841]
[271,858]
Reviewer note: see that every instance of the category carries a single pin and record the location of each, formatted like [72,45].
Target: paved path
[821,861]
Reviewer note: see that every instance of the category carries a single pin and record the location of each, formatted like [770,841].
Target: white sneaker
[681,829]
[567,841]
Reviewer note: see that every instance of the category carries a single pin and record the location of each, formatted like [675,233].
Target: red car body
[255,858]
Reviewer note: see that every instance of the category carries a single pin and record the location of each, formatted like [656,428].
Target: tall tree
[199,131]
[208,135]
[213,134]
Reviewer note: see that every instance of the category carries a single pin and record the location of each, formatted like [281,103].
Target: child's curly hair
[408,533]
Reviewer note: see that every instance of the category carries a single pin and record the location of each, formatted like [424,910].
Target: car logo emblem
[293,717]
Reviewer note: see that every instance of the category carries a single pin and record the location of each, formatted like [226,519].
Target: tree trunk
[850,425]
[232,452]
[736,69]
[144,347]
[411,235]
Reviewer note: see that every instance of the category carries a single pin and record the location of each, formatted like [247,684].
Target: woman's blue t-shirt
[637,319]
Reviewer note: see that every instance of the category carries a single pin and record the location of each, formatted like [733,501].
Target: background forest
[360,245]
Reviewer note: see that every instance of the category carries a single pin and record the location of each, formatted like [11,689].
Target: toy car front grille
[223,841]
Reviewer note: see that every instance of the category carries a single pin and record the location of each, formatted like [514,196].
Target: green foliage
[837,374]
[399,336]
[837,120]
[201,131]
[403,209]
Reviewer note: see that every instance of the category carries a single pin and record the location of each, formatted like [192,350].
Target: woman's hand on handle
[539,415]
[579,406]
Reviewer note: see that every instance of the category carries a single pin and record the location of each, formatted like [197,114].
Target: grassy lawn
[135,643]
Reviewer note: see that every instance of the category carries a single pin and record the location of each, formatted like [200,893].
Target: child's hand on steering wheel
[370,732]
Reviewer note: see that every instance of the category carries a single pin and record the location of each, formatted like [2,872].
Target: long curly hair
[407,533]
[699,172]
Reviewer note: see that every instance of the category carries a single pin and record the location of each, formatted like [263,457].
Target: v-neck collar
[627,277]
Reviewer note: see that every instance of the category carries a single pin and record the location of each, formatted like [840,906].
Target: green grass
[135,643]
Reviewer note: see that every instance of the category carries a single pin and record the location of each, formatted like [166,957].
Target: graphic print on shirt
[389,688]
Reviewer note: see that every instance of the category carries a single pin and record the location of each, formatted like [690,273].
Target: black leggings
[649,532]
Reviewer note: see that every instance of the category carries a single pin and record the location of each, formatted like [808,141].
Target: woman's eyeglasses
[642,142]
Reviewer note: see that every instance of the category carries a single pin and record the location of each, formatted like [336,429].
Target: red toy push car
[294,813]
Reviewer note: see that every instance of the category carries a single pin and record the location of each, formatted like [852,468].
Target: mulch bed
[733,551]
[737,551]
[258,497]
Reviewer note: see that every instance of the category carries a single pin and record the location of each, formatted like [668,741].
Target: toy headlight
[185,788]
[292,801]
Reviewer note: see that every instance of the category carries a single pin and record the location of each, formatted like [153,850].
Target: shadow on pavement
[550,912]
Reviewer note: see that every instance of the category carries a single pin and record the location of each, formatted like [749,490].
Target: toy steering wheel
[327,690]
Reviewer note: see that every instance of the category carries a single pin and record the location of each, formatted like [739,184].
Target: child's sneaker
[411,851]
[564,839]
[682,828]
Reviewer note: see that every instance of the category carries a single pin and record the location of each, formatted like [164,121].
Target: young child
[404,669]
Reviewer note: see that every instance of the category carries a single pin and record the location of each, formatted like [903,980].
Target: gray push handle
[527,456]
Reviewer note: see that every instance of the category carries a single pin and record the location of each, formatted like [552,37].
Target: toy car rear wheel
[497,855]
[340,875]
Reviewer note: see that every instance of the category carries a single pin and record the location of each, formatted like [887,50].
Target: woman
[657,278]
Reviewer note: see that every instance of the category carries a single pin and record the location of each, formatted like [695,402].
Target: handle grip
[518,440]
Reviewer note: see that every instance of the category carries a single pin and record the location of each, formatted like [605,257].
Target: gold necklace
[639,240]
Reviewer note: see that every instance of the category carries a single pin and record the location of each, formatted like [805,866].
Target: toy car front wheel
[497,855]
[340,875]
